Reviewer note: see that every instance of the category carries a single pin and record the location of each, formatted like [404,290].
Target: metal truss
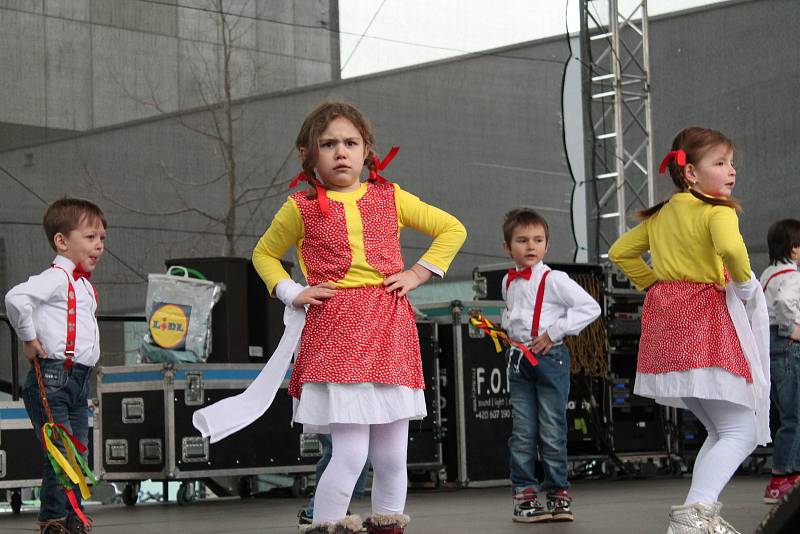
[616,89]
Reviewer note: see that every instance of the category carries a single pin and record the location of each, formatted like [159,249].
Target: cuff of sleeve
[287,290]
[646,283]
[432,268]
[556,335]
[26,333]
[746,290]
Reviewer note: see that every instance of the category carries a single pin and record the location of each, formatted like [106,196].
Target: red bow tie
[79,273]
[513,273]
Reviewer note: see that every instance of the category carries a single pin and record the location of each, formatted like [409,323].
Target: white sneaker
[698,518]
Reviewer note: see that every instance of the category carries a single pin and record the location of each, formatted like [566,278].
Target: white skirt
[322,403]
[703,383]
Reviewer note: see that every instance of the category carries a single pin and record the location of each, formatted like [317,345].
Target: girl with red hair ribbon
[358,372]
[699,348]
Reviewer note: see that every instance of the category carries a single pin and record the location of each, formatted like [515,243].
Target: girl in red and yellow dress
[699,348]
[358,373]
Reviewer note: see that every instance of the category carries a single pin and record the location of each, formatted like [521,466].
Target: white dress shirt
[566,309]
[37,309]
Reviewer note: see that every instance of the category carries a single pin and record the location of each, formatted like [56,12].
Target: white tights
[731,439]
[386,445]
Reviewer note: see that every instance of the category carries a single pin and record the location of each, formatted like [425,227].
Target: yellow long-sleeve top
[287,230]
[688,239]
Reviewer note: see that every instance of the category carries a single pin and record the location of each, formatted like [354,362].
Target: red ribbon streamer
[76,507]
[484,324]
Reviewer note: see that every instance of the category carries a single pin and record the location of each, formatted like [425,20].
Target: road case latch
[310,446]
[193,395]
[116,451]
[479,286]
[133,410]
[150,451]
[194,449]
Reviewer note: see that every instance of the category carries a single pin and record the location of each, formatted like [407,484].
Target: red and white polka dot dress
[686,325]
[361,335]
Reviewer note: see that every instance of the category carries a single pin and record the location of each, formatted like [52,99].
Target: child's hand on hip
[795,335]
[541,344]
[32,349]
[407,280]
[315,294]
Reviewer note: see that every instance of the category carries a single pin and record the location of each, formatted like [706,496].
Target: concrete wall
[736,68]
[83,64]
[478,135]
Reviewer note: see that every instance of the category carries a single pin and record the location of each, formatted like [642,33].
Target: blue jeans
[785,393]
[539,406]
[327,451]
[67,394]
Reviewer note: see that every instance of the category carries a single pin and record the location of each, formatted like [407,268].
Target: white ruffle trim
[704,383]
[322,403]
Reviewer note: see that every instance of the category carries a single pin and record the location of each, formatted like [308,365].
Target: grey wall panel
[478,135]
[68,74]
[736,68]
[23,65]
[81,65]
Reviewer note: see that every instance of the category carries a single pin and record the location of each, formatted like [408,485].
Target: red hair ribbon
[380,165]
[322,198]
[680,159]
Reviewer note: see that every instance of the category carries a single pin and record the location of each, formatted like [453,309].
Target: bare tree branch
[95,184]
[177,180]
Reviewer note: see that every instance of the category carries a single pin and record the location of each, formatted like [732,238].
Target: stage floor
[601,506]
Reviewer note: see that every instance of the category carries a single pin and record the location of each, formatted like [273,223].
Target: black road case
[21,455]
[476,414]
[144,427]
[425,436]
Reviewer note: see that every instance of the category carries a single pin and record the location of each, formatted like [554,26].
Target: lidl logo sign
[169,324]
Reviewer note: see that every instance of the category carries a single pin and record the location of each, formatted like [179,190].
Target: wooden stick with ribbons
[498,336]
[70,470]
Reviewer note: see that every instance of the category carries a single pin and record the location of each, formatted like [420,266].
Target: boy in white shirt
[53,314]
[781,283]
[542,307]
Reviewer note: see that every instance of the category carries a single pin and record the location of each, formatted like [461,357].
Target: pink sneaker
[778,487]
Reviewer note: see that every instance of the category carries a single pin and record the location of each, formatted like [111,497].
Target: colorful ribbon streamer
[69,470]
[499,335]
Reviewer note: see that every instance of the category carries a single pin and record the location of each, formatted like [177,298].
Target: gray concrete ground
[632,507]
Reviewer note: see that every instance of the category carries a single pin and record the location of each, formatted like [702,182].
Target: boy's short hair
[782,237]
[523,217]
[66,214]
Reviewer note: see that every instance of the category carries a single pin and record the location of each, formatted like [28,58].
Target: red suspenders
[776,274]
[72,310]
[537,310]
[537,313]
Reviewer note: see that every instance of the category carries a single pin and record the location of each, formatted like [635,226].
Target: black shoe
[53,526]
[559,504]
[76,526]
[528,508]
[304,516]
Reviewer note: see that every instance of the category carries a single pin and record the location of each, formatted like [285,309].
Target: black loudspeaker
[246,324]
[784,517]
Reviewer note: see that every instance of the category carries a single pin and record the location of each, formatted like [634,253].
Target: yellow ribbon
[498,334]
[488,330]
[70,467]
